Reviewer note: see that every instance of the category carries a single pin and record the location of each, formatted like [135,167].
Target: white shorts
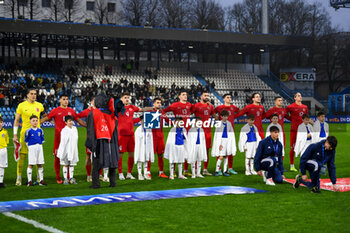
[251,150]
[66,162]
[35,154]
[224,151]
[179,154]
[3,157]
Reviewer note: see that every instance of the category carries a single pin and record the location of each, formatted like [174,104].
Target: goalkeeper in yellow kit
[25,110]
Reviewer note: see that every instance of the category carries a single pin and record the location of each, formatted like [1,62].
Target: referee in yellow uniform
[25,110]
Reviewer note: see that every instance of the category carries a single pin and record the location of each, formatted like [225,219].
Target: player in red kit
[204,110]
[182,108]
[84,114]
[58,115]
[257,110]
[126,137]
[296,112]
[158,139]
[232,111]
[281,113]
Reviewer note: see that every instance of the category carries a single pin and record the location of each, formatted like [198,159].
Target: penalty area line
[32,222]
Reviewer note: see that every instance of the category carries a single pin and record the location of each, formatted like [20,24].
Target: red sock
[57,168]
[130,164]
[186,166]
[88,169]
[230,161]
[149,166]
[120,165]
[291,156]
[206,163]
[101,170]
[160,163]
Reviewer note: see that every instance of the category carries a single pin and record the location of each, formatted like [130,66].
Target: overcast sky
[340,17]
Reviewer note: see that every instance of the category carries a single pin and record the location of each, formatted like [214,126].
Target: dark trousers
[96,173]
[314,168]
[269,164]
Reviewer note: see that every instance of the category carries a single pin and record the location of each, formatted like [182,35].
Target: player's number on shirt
[104,128]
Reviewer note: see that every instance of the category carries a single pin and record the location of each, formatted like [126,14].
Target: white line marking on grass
[32,222]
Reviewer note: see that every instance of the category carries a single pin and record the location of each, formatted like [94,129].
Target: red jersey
[296,114]
[126,121]
[59,113]
[232,111]
[259,112]
[180,110]
[204,111]
[281,112]
[85,112]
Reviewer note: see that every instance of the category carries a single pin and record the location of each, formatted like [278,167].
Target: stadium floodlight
[122,44]
[190,47]
[239,53]
[171,50]
[19,44]
[105,48]
[262,50]
[34,40]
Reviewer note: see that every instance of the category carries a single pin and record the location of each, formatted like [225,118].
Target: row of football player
[190,147]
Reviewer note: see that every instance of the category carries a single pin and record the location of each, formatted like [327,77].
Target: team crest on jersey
[69,113]
[39,134]
[303,109]
[301,113]
[3,135]
[37,109]
[127,113]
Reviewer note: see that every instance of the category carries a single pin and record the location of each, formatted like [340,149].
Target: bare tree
[56,9]
[152,13]
[207,13]
[72,10]
[34,8]
[100,11]
[134,11]
[175,13]
[11,6]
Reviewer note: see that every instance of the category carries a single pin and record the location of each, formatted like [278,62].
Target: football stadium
[174,116]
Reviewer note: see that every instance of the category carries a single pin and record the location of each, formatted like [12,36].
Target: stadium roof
[166,38]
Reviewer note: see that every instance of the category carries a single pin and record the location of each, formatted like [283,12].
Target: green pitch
[281,209]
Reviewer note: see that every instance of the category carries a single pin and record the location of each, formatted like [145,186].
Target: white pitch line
[32,222]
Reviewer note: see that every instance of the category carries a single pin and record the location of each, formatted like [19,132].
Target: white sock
[105,172]
[29,174]
[180,169]
[225,163]
[71,172]
[252,165]
[247,168]
[139,168]
[292,165]
[65,172]
[218,163]
[199,167]
[145,166]
[41,173]
[172,170]
[193,168]
[2,173]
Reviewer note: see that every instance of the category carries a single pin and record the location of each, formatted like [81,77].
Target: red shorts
[126,143]
[207,138]
[158,146]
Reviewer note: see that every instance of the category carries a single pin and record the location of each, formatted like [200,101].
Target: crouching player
[68,150]
[314,159]
[268,158]
[143,150]
[4,141]
[34,138]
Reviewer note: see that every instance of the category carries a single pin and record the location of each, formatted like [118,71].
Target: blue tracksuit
[314,157]
[268,157]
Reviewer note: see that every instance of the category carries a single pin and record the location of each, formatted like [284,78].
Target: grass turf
[282,209]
